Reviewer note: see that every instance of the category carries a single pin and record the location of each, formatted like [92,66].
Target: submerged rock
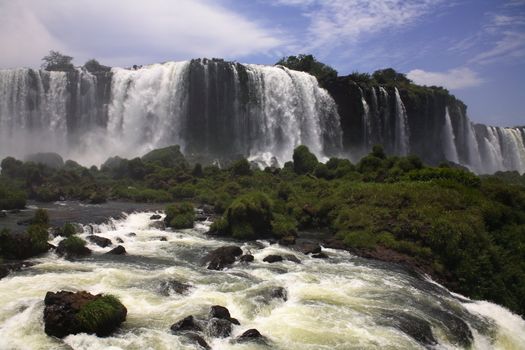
[221,257]
[309,248]
[195,338]
[173,286]
[222,313]
[155,217]
[320,256]
[247,258]
[279,293]
[186,324]
[251,335]
[159,225]
[118,250]
[219,328]
[273,258]
[292,258]
[81,312]
[413,326]
[100,241]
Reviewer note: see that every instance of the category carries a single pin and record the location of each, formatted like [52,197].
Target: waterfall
[449,139]
[209,107]
[513,149]
[366,122]
[402,133]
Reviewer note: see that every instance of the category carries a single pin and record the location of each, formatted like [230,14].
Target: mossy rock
[72,246]
[81,312]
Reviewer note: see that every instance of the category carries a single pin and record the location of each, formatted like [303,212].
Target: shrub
[168,157]
[241,168]
[283,226]
[304,161]
[248,217]
[73,244]
[11,198]
[38,235]
[180,215]
[67,230]
[41,217]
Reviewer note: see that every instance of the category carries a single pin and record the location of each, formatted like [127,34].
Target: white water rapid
[344,302]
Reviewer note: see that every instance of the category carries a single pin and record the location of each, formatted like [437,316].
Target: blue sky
[475,48]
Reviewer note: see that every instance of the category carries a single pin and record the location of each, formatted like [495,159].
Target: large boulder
[118,250]
[273,258]
[100,241]
[169,287]
[81,312]
[222,257]
[251,335]
[186,324]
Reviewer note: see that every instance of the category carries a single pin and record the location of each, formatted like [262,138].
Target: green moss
[67,230]
[74,244]
[100,314]
[304,161]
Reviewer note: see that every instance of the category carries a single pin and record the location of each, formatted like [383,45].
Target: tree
[93,66]
[390,76]
[57,61]
[308,64]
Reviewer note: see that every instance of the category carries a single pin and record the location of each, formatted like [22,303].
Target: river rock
[250,335]
[320,256]
[292,258]
[159,225]
[118,250]
[221,257]
[279,293]
[308,248]
[273,258]
[173,286]
[222,313]
[100,241]
[219,328]
[155,217]
[288,240]
[186,324]
[247,258]
[413,326]
[119,240]
[131,234]
[71,252]
[196,338]
[63,308]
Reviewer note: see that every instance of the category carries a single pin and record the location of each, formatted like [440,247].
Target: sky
[474,48]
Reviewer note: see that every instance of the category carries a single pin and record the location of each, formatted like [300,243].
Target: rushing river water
[344,302]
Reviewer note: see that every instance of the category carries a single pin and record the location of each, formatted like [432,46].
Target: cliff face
[216,109]
[427,122]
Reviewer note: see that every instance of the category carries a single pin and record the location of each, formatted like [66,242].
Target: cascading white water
[513,149]
[402,133]
[341,303]
[449,139]
[366,122]
[229,109]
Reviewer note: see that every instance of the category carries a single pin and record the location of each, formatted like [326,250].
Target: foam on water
[344,302]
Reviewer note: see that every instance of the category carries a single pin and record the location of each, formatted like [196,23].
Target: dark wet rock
[173,287]
[288,240]
[222,313]
[100,241]
[221,257]
[292,258]
[197,339]
[207,209]
[63,314]
[7,267]
[247,258]
[159,225]
[163,238]
[458,330]
[279,293]
[131,234]
[3,214]
[119,240]
[118,250]
[25,222]
[320,256]
[186,324]
[219,328]
[250,335]
[308,248]
[413,326]
[273,258]
[155,217]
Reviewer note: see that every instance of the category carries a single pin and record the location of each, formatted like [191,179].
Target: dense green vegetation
[26,244]
[469,232]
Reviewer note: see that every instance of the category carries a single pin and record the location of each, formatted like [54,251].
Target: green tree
[57,61]
[308,64]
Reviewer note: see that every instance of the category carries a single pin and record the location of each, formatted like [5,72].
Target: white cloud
[335,23]
[116,31]
[510,46]
[458,78]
